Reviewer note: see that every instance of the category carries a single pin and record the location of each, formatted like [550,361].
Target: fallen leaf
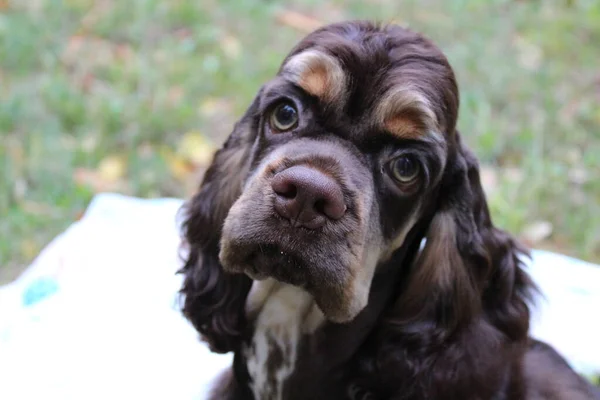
[231,46]
[190,183]
[83,51]
[530,55]
[537,231]
[573,155]
[15,151]
[123,52]
[579,176]
[89,143]
[145,150]
[196,148]
[106,177]
[33,6]
[87,82]
[81,4]
[91,179]
[79,215]
[183,33]
[513,174]
[20,188]
[578,197]
[111,168]
[489,179]
[29,249]
[179,167]
[296,20]
[99,10]
[214,106]
[86,177]
[74,44]
[175,94]
[36,208]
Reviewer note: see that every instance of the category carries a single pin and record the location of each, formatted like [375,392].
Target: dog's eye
[284,117]
[405,169]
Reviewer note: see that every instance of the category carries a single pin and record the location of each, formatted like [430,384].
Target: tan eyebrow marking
[403,127]
[319,74]
[407,113]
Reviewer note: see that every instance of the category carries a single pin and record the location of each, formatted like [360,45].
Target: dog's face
[339,156]
[342,164]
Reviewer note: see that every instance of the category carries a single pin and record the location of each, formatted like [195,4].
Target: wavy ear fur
[214,300]
[467,267]
[461,314]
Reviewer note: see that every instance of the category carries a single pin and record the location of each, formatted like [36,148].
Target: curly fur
[449,320]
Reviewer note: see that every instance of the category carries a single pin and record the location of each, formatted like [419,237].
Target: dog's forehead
[395,78]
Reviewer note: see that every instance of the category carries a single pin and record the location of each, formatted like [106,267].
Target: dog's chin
[261,261]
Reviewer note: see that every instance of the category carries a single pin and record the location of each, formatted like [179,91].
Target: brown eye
[284,117]
[405,169]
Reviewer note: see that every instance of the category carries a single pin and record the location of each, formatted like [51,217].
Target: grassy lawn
[132,96]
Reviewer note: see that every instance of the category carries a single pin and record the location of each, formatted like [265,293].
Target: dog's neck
[293,351]
[283,316]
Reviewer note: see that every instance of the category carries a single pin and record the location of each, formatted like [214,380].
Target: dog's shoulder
[548,376]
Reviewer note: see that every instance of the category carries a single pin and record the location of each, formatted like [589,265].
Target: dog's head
[338,158]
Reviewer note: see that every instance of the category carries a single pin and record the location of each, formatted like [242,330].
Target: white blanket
[96,317]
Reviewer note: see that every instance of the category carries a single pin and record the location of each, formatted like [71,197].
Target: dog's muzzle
[305,218]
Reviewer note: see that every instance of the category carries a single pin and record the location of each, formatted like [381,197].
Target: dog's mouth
[268,247]
[325,276]
[265,260]
[327,261]
[326,266]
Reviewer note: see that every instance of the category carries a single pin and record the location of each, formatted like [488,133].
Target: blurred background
[133,96]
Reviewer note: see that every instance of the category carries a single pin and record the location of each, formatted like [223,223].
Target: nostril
[334,208]
[320,205]
[291,192]
[284,188]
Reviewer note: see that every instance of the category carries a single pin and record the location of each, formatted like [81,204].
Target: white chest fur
[283,313]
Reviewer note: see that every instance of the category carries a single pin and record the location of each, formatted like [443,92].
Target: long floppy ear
[467,266]
[214,300]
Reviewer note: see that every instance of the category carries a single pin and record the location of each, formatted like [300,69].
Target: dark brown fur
[448,322]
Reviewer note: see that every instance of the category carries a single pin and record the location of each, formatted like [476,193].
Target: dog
[340,243]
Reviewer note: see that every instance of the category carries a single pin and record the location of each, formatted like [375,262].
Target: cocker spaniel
[341,246]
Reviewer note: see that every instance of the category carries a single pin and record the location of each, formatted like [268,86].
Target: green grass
[99,94]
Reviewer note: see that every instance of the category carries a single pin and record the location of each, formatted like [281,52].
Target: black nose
[307,197]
